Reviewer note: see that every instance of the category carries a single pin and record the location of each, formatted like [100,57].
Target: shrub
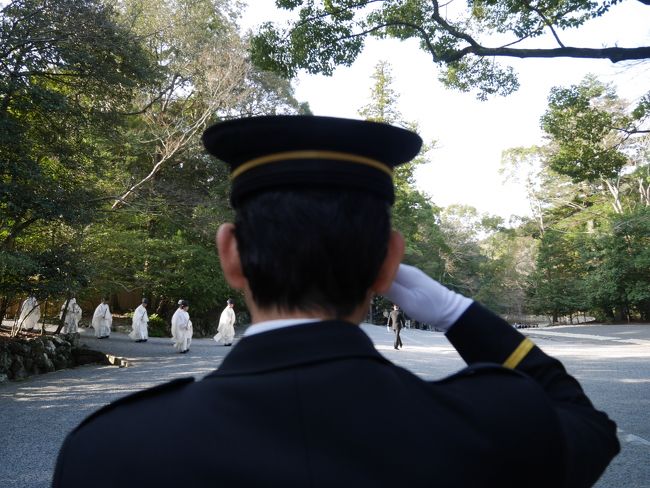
[158,327]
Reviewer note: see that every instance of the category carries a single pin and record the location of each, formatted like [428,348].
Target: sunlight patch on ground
[596,351]
[419,349]
[593,337]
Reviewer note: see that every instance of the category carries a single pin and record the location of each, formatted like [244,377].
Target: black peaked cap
[304,151]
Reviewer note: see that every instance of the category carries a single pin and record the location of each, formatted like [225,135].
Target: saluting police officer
[299,400]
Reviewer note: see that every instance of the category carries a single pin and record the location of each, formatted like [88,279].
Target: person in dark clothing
[396,322]
[298,401]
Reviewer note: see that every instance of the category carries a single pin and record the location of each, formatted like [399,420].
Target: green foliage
[642,110]
[474,73]
[69,68]
[505,272]
[110,109]
[109,112]
[556,285]
[582,121]
[594,227]
[43,266]
[618,283]
[414,215]
[158,327]
[467,251]
[383,98]
[330,33]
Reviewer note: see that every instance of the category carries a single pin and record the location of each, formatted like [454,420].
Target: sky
[470,134]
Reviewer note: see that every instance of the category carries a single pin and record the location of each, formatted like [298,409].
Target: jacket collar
[296,346]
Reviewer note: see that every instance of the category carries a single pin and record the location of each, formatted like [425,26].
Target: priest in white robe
[182,327]
[102,320]
[72,317]
[226,330]
[140,323]
[30,313]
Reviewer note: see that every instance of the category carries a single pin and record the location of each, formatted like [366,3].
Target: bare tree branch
[548,23]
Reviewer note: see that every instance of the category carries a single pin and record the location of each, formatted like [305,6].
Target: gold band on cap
[331,155]
[519,353]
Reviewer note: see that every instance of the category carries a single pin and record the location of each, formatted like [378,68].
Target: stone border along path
[37,413]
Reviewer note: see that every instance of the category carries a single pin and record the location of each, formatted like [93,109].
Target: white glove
[426,300]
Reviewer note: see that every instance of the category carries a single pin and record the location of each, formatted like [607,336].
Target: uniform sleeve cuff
[480,335]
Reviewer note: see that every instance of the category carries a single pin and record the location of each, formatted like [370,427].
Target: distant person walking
[182,327]
[72,316]
[226,330]
[396,322]
[102,320]
[140,332]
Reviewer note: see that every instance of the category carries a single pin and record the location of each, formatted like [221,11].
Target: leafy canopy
[463,39]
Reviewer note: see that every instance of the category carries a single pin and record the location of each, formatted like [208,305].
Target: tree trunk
[44,315]
[161,306]
[115,305]
[18,326]
[619,314]
[62,319]
[614,190]
[4,305]
[644,192]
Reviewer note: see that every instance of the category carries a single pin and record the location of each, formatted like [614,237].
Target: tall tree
[413,213]
[67,70]
[589,185]
[505,271]
[382,106]
[329,33]
[547,191]
[617,258]
[207,75]
[158,236]
[593,138]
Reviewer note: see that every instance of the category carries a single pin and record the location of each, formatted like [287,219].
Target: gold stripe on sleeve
[519,354]
[332,155]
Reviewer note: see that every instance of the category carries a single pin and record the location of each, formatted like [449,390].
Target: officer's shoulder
[149,393]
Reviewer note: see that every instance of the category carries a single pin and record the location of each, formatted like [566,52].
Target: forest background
[105,188]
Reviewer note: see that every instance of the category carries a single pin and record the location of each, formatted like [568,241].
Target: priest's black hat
[304,151]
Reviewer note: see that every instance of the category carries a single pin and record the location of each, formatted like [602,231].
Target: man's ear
[391,263]
[229,256]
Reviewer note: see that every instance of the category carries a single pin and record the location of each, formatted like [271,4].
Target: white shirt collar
[276,324]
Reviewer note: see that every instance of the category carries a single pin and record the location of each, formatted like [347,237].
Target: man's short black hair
[312,250]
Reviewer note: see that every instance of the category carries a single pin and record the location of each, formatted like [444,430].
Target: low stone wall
[20,358]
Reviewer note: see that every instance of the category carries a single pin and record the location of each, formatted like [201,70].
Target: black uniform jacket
[396,320]
[317,406]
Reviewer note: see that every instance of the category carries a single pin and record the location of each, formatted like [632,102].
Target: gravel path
[37,413]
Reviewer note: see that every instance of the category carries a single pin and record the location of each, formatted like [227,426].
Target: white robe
[226,329]
[181,330]
[102,320]
[30,313]
[140,324]
[72,316]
